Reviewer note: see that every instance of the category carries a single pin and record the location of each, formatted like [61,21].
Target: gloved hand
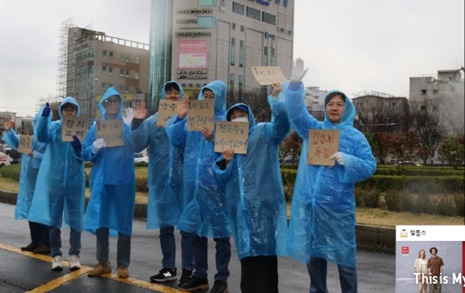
[298,72]
[339,158]
[98,144]
[46,110]
[76,143]
[129,116]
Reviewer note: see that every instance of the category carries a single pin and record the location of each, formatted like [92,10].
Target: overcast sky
[350,45]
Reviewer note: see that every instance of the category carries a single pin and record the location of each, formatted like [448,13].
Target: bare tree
[426,123]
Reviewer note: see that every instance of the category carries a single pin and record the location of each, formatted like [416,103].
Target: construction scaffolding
[63,57]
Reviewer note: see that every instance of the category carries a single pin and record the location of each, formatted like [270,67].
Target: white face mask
[240,119]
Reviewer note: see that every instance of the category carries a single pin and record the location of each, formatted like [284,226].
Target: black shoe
[164,275]
[42,249]
[219,286]
[186,275]
[195,284]
[30,247]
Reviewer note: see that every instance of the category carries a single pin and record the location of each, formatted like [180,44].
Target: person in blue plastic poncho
[256,202]
[60,187]
[112,187]
[165,186]
[30,163]
[204,195]
[322,224]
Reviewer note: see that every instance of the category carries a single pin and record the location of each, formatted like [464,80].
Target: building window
[104,85]
[110,70]
[435,92]
[104,68]
[207,3]
[241,53]
[423,92]
[269,18]
[265,56]
[110,54]
[238,8]
[231,82]
[233,51]
[136,75]
[241,83]
[233,26]
[242,28]
[104,53]
[137,60]
[273,57]
[206,21]
[253,13]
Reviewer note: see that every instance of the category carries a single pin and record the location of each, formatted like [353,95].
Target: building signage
[192,54]
[195,11]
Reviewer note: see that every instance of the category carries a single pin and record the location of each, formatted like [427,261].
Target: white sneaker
[74,262]
[57,263]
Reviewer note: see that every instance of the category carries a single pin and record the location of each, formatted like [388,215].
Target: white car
[141,158]
[5,159]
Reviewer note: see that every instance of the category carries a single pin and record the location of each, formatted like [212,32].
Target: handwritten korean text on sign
[266,75]
[200,113]
[322,144]
[111,131]
[74,126]
[25,143]
[166,110]
[231,135]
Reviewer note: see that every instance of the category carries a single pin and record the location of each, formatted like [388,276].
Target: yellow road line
[76,274]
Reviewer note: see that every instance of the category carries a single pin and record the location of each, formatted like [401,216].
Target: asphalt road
[23,271]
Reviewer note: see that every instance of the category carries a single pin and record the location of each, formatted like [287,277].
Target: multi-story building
[195,42]
[381,111]
[91,61]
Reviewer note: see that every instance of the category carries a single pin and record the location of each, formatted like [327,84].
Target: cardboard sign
[200,113]
[231,135]
[25,143]
[111,131]
[322,144]
[166,110]
[266,75]
[74,126]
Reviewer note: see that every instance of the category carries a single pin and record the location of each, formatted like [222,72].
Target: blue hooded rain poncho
[112,178]
[165,171]
[204,198]
[323,205]
[256,202]
[29,170]
[61,180]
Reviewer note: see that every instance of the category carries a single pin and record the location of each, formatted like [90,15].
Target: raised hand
[276,89]
[298,72]
[182,107]
[46,110]
[140,110]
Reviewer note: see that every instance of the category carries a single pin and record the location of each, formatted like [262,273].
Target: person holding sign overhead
[322,224]
[111,182]
[61,183]
[256,203]
[30,163]
[204,195]
[165,202]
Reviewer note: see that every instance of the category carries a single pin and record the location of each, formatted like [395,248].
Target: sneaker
[195,284]
[99,270]
[30,247]
[42,249]
[219,286]
[186,275]
[74,262]
[122,272]
[57,263]
[164,275]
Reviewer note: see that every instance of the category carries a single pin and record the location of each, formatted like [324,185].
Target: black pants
[259,274]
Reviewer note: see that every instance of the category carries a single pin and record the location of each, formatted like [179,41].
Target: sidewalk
[371,238]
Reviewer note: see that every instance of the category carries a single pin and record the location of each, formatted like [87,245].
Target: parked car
[5,159]
[409,163]
[141,158]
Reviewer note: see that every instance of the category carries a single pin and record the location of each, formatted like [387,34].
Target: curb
[371,238]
